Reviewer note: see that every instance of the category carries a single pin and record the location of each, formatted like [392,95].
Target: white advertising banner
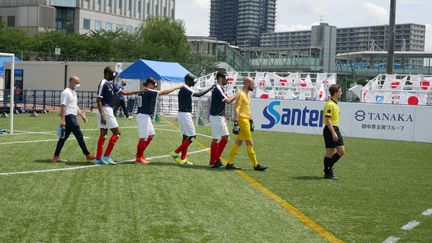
[381,121]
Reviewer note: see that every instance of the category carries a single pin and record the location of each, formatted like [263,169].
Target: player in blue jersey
[186,123]
[107,91]
[146,109]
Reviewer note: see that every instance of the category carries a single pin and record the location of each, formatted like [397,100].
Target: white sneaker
[130,117]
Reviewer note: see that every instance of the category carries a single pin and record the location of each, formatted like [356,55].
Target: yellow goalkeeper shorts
[245,133]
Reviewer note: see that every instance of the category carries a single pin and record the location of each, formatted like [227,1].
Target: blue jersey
[107,91]
[147,102]
[185,99]
[218,97]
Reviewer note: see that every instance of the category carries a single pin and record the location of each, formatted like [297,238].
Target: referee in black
[333,139]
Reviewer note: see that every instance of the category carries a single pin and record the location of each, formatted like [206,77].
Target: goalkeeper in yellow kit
[243,127]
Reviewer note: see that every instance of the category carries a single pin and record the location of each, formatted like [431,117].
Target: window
[130,5]
[120,4]
[129,28]
[148,8]
[86,24]
[98,25]
[109,26]
[109,3]
[11,21]
[119,27]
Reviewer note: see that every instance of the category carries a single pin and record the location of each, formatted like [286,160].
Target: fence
[398,89]
[31,101]
[44,100]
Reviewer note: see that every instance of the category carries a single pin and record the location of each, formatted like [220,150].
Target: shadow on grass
[153,163]
[72,163]
[193,167]
[47,161]
[308,178]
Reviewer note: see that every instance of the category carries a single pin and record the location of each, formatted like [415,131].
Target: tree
[12,39]
[163,39]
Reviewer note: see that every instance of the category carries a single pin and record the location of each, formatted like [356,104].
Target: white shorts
[219,127]
[186,124]
[111,121]
[145,126]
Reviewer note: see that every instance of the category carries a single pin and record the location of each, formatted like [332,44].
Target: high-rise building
[81,16]
[241,22]
[322,37]
[409,37]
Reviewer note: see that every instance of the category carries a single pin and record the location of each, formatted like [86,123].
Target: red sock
[221,147]
[142,144]
[213,152]
[185,149]
[100,147]
[111,144]
[182,146]
[147,142]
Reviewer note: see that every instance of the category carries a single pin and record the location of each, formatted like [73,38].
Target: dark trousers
[72,126]
[122,104]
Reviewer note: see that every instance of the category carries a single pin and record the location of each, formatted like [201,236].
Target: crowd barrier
[379,121]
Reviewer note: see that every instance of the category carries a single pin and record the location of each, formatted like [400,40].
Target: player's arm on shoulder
[168,91]
[124,92]
[203,92]
[230,99]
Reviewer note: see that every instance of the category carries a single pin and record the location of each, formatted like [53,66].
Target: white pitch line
[411,225]
[391,239]
[86,166]
[31,133]
[427,212]
[36,141]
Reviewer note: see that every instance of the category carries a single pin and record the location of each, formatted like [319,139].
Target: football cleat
[260,168]
[100,162]
[180,161]
[142,160]
[58,159]
[217,165]
[108,160]
[174,155]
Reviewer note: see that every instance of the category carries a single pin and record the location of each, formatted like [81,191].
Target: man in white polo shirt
[68,111]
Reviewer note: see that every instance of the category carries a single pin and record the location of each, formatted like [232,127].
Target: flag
[320,79]
[413,98]
[288,95]
[321,94]
[332,79]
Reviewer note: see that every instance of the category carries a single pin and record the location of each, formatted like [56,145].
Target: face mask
[77,86]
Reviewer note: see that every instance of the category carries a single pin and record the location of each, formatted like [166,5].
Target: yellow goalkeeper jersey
[243,105]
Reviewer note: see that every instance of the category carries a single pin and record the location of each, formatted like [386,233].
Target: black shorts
[328,139]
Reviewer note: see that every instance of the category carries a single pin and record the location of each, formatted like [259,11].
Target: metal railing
[44,100]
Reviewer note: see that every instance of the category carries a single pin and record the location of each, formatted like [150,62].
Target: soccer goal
[7,84]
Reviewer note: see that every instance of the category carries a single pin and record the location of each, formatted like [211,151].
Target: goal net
[7,84]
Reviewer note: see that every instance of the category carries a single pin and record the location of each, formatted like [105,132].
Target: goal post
[10,99]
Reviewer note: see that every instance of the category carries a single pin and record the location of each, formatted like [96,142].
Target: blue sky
[301,14]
